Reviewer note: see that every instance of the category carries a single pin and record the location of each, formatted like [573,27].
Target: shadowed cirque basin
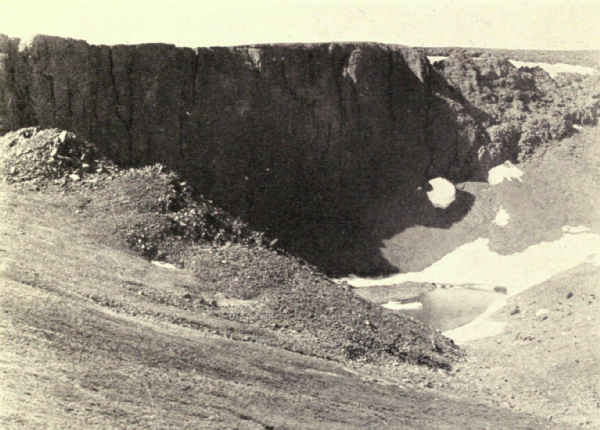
[523,228]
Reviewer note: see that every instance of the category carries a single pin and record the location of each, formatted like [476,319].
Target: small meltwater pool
[483,279]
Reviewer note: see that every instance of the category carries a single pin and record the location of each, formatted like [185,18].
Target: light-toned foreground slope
[93,338]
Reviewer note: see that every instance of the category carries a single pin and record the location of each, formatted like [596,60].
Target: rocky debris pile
[158,208]
[314,316]
[39,155]
[159,213]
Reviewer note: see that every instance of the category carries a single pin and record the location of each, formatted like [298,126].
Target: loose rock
[542,314]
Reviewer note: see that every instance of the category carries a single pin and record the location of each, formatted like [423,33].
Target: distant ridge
[587,57]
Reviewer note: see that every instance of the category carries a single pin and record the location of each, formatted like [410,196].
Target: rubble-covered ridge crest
[39,155]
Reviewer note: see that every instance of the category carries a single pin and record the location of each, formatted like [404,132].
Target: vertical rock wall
[298,139]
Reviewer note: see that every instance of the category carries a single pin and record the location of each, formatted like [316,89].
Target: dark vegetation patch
[155,213]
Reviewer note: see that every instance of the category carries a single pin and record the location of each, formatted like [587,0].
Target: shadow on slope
[396,222]
[363,250]
[308,172]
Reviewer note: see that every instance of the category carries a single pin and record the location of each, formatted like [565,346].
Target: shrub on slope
[155,212]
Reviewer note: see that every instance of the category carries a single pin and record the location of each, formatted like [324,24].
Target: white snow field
[506,171]
[502,217]
[443,193]
[555,69]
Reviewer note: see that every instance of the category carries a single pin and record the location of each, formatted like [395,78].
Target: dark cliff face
[297,139]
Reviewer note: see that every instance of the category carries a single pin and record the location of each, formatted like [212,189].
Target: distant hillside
[589,58]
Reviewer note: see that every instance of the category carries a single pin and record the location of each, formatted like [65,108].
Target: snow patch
[26,41]
[505,171]
[502,217]
[555,69]
[433,58]
[443,193]
[254,58]
[575,230]
[164,265]
[476,263]
[551,69]
[397,306]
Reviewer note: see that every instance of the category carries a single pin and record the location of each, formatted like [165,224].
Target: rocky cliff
[297,139]
[523,108]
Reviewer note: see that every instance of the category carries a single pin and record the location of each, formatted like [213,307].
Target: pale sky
[533,24]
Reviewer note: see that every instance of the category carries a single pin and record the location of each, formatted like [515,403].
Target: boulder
[442,193]
[542,314]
